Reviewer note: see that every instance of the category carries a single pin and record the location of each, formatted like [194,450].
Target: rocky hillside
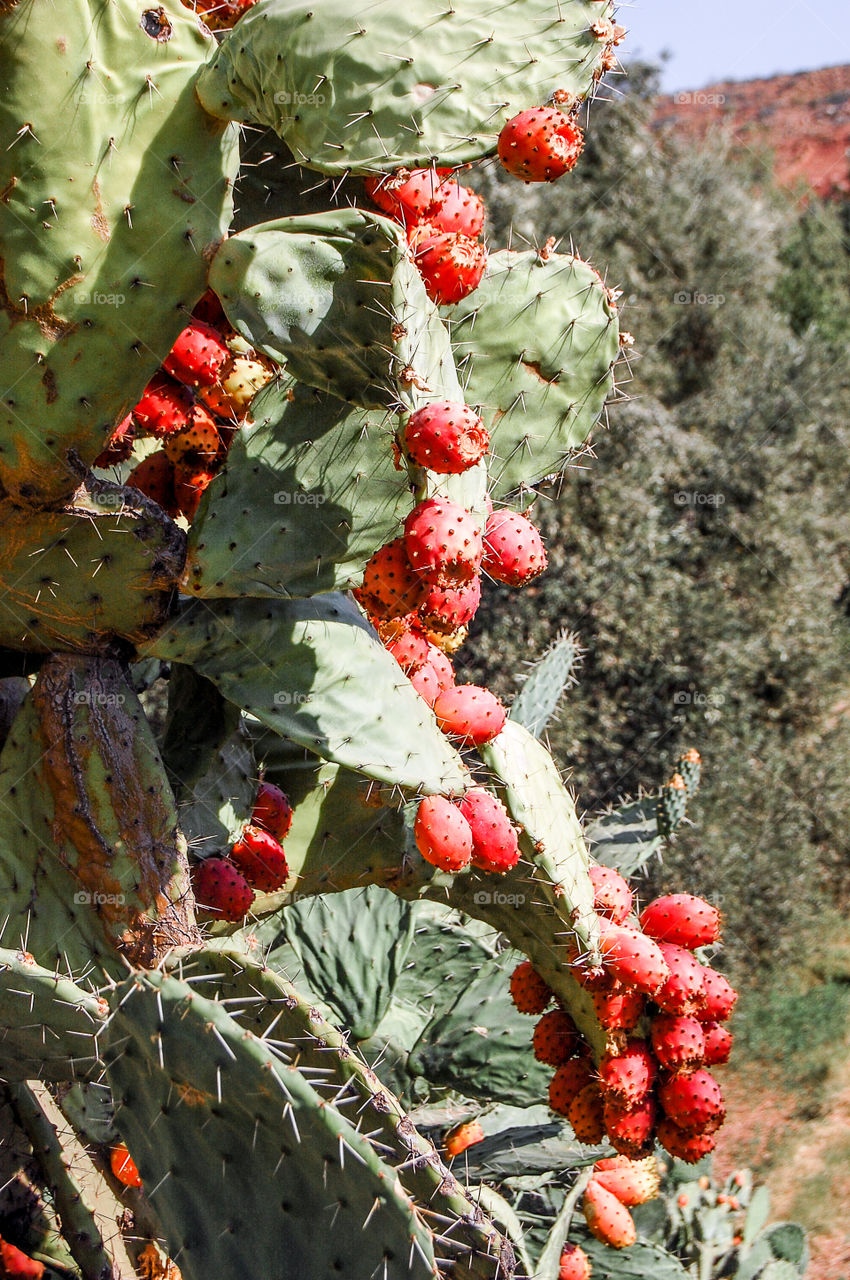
[803,119]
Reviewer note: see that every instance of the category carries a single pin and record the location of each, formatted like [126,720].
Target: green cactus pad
[309,492]
[535,346]
[208,757]
[115,183]
[241,1156]
[267,1004]
[481,1044]
[626,837]
[545,684]
[78,578]
[48,1025]
[335,298]
[689,768]
[384,85]
[672,805]
[92,868]
[314,672]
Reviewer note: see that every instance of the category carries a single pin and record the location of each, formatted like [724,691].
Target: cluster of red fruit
[193,404]
[420,591]
[645,1086]
[225,887]
[443,221]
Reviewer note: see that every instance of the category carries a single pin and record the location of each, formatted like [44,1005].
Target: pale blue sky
[736,39]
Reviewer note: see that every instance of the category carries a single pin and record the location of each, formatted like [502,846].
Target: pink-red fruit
[630,1129]
[683,919]
[574,1263]
[442,542]
[556,1038]
[612,896]
[567,1083]
[586,1115]
[684,991]
[513,549]
[445,437]
[408,195]
[693,1101]
[463,1136]
[607,1217]
[470,713]
[461,209]
[620,1009]
[198,356]
[222,889]
[442,834]
[539,145]
[451,265]
[718,1044]
[720,997]
[627,1076]
[272,810]
[690,1147]
[260,858]
[447,608]
[678,1041]
[529,992]
[495,846]
[633,1182]
[632,957]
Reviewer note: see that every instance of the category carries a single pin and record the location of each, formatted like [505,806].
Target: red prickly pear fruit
[470,713]
[221,889]
[556,1038]
[199,438]
[612,896]
[190,482]
[442,834]
[260,858]
[15,1265]
[513,549]
[620,1009]
[461,209]
[607,1217]
[208,310]
[529,992]
[539,145]
[684,991]
[123,1166]
[678,1041]
[633,958]
[495,846]
[165,407]
[442,542]
[451,265]
[239,381]
[689,1147]
[693,1100]
[390,585]
[630,1129]
[720,997]
[574,1263]
[628,1076]
[586,1115]
[154,476]
[198,356]
[446,437]
[425,682]
[408,195]
[463,1136]
[682,919]
[442,665]
[633,1182]
[272,811]
[718,1044]
[448,608]
[119,446]
[567,1083]
[410,649]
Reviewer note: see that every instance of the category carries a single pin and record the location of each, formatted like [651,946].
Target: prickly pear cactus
[279,891]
